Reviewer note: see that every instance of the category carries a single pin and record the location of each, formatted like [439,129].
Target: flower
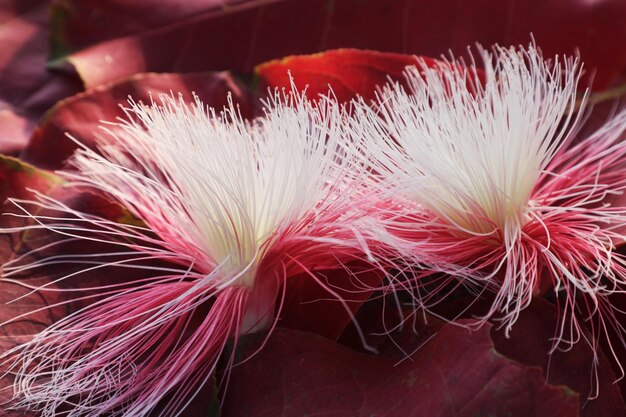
[232,208]
[493,190]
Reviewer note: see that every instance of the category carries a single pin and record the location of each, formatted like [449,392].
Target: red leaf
[403,331]
[310,307]
[27,89]
[204,35]
[205,404]
[16,176]
[350,72]
[81,114]
[457,374]
[530,343]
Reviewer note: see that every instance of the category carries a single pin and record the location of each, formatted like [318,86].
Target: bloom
[231,208]
[493,190]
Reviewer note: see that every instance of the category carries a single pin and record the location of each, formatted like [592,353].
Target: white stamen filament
[471,151]
[228,186]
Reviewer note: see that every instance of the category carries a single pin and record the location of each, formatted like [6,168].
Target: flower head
[232,208]
[491,188]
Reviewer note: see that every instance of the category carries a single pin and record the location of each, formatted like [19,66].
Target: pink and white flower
[493,191]
[233,208]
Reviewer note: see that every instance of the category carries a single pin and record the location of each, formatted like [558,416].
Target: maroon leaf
[81,114]
[391,331]
[205,404]
[310,307]
[104,44]
[530,343]
[457,374]
[78,24]
[27,89]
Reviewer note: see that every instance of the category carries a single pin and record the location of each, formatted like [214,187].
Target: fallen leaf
[530,343]
[210,35]
[310,307]
[27,88]
[350,72]
[457,373]
[80,115]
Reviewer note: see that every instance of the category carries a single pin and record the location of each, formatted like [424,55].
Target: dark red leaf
[27,89]
[391,331]
[457,373]
[205,404]
[81,114]
[310,307]
[105,45]
[78,24]
[530,343]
